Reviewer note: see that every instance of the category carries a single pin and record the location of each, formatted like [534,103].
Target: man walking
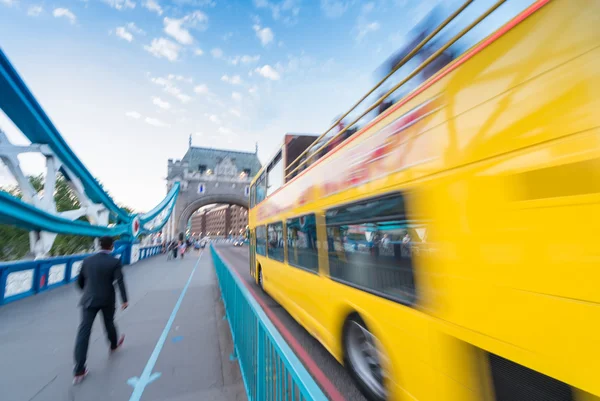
[98,272]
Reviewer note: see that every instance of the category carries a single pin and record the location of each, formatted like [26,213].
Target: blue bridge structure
[193,327]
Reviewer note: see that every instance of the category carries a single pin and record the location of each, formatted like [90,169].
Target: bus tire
[259,278]
[361,358]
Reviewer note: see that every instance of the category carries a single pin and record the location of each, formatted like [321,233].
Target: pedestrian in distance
[96,279]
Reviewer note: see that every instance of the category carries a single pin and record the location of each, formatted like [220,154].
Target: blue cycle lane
[177,345]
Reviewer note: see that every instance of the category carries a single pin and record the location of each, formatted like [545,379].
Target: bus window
[261,240]
[301,241]
[276,241]
[370,246]
[252,195]
[261,188]
[275,175]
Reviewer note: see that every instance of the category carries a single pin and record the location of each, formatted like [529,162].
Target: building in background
[219,221]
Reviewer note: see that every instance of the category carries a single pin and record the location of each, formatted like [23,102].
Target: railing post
[260,355]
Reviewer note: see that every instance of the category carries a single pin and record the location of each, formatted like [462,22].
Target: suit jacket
[96,278]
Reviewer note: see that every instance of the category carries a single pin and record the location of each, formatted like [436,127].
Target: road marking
[147,377]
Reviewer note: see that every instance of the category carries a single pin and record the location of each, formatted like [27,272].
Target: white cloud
[245,59]
[214,119]
[216,53]
[268,72]
[161,103]
[234,80]
[196,3]
[133,114]
[178,28]
[156,122]
[120,4]
[64,13]
[364,28]
[153,5]
[237,96]
[8,3]
[173,28]
[198,52]
[334,8]
[34,11]
[173,77]
[265,35]
[162,47]
[201,89]
[235,112]
[168,86]
[134,28]
[124,34]
[225,131]
[253,90]
[286,10]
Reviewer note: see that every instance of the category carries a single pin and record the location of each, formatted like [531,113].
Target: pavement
[238,258]
[174,326]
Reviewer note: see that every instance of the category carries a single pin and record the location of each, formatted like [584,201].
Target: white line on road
[147,377]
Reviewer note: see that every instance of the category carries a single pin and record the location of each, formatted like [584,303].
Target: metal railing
[25,278]
[304,158]
[270,369]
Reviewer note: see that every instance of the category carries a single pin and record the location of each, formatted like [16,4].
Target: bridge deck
[37,337]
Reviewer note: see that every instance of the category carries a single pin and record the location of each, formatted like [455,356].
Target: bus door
[252,250]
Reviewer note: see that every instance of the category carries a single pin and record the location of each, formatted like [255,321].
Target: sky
[126,82]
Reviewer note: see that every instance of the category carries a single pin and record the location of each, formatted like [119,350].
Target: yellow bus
[450,248]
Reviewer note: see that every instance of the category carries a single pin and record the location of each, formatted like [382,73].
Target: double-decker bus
[450,248]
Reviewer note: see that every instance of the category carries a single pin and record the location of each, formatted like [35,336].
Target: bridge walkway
[174,327]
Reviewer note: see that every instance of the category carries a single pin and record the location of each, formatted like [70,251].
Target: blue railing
[270,369]
[149,251]
[22,279]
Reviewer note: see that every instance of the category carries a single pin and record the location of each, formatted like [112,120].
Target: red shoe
[79,378]
[119,344]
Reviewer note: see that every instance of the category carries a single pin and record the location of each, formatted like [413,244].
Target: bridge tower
[208,176]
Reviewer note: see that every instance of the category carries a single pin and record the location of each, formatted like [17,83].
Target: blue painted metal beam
[15,212]
[173,193]
[26,113]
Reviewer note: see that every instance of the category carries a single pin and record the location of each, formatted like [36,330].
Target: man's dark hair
[106,243]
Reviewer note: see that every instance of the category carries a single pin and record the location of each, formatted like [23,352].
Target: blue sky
[127,81]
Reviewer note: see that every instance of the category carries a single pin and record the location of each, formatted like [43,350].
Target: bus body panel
[501,158]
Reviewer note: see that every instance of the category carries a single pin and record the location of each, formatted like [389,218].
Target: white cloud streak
[155,122]
[334,8]
[201,89]
[124,34]
[120,4]
[161,103]
[153,5]
[233,80]
[34,11]
[268,72]
[133,114]
[265,35]
[169,87]
[179,28]
[161,47]
[236,96]
[217,53]
[64,13]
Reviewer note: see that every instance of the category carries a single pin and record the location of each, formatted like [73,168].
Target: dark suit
[96,278]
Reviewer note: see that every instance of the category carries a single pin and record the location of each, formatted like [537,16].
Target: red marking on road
[309,363]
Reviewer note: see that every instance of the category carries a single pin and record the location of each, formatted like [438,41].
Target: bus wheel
[260,279]
[362,358]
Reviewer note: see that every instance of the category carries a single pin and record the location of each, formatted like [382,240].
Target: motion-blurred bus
[450,248]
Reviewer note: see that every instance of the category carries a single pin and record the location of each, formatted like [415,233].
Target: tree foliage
[14,241]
